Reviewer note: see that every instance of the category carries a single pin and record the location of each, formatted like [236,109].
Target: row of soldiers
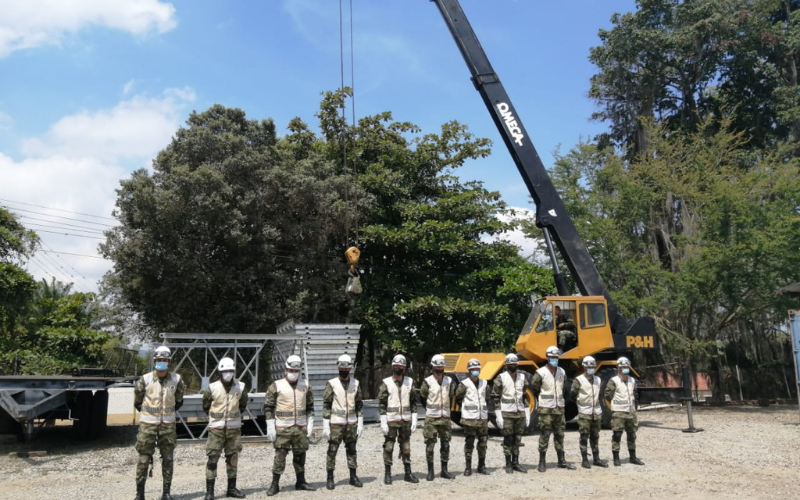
[289,411]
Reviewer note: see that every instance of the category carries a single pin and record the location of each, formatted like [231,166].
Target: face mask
[626,371]
[344,374]
[161,366]
[475,374]
[227,376]
[553,362]
[512,368]
[590,371]
[438,372]
[292,376]
[398,371]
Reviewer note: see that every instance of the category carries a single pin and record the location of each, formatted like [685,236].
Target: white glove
[326,428]
[384,425]
[498,422]
[414,418]
[310,424]
[527,417]
[360,427]
[271,433]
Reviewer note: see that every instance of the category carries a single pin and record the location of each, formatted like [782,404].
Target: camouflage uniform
[513,422]
[551,420]
[292,438]
[229,440]
[434,427]
[588,425]
[473,429]
[398,431]
[566,334]
[626,421]
[347,433]
[163,435]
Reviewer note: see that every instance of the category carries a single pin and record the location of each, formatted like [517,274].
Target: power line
[69,234]
[93,229]
[58,216]
[57,209]
[46,226]
[51,260]
[75,254]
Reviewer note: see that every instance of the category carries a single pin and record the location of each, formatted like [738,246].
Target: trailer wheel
[82,414]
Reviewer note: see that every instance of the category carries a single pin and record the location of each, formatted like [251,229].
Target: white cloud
[127,89]
[76,166]
[6,122]
[26,24]
[133,129]
[529,247]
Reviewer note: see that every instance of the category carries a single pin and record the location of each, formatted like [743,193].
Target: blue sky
[91,90]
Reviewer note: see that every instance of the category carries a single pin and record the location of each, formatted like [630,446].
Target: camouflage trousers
[229,440]
[437,427]
[589,429]
[475,429]
[292,438]
[623,421]
[400,431]
[513,429]
[555,424]
[346,433]
[150,436]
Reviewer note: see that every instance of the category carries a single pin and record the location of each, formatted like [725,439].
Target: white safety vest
[398,407]
[224,412]
[623,399]
[589,396]
[343,407]
[158,406]
[552,392]
[290,404]
[438,403]
[512,399]
[473,407]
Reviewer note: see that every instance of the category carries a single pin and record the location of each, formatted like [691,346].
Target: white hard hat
[226,365]
[512,359]
[553,351]
[294,362]
[344,361]
[623,361]
[589,361]
[399,360]
[473,363]
[162,352]
[438,361]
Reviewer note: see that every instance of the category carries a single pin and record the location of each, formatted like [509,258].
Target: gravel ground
[747,452]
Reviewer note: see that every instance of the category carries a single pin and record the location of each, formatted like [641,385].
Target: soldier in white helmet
[397,404]
[621,397]
[512,411]
[471,396]
[289,409]
[586,394]
[343,418]
[548,387]
[436,393]
[224,401]
[158,395]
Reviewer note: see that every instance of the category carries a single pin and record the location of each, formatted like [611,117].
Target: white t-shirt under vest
[158,406]
[343,407]
[473,407]
[512,398]
[224,412]
[290,403]
[552,392]
[623,399]
[589,396]
[438,403]
[398,407]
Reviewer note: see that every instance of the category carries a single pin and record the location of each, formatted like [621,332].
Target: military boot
[329,484]
[616,458]
[562,462]
[387,475]
[301,484]
[444,472]
[431,474]
[585,462]
[409,476]
[482,466]
[468,468]
[233,492]
[635,460]
[542,461]
[274,488]
[139,491]
[209,489]
[354,480]
[516,466]
[596,461]
[508,468]
[165,492]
